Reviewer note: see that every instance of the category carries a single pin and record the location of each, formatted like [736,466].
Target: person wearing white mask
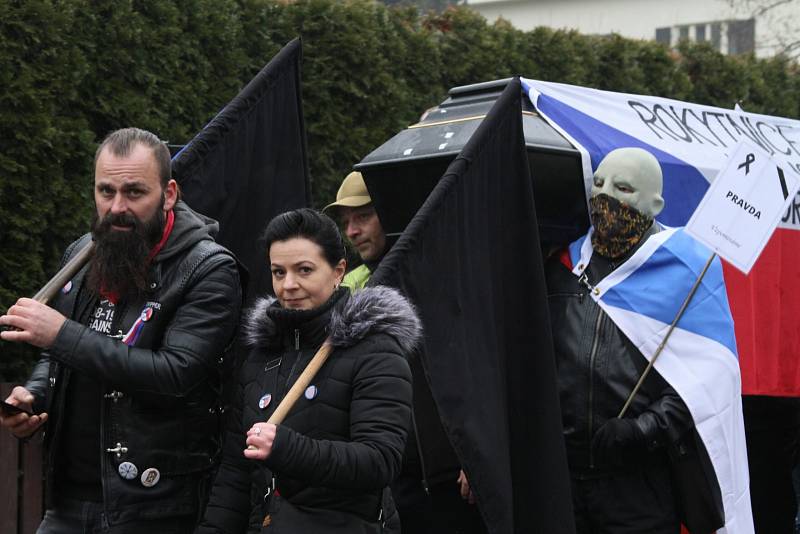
[618,466]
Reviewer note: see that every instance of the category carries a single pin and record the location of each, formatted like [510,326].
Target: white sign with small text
[743,205]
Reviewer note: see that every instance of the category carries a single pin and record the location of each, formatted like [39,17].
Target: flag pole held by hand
[64,275]
[300,385]
[667,335]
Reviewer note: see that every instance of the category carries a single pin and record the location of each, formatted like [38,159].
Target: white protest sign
[742,207]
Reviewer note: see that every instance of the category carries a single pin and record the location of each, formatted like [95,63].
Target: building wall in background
[731,28]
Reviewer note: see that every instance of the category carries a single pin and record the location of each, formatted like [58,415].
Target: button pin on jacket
[264,401]
[127,470]
[67,287]
[311,392]
[150,477]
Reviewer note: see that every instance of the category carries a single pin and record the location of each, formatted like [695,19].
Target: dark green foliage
[164,66]
[44,186]
[422,5]
[73,70]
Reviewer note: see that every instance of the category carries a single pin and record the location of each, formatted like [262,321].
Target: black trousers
[634,502]
[772,427]
[441,511]
[69,516]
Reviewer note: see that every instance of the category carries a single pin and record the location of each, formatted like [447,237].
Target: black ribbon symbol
[746,163]
[782,178]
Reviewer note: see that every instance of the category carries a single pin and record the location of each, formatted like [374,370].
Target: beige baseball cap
[352,193]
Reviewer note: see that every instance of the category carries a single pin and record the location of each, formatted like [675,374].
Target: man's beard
[120,265]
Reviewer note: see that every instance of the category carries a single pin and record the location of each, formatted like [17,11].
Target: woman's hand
[259,441]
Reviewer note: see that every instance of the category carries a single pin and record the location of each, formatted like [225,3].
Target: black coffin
[402,172]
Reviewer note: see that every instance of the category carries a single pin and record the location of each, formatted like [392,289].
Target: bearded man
[619,467]
[128,384]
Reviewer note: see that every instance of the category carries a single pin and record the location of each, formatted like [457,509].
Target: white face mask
[632,176]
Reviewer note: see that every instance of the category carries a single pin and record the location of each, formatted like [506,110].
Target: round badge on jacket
[264,401]
[147,313]
[311,391]
[128,470]
[150,477]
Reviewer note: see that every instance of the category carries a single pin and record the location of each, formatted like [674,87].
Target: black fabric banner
[470,261]
[249,163]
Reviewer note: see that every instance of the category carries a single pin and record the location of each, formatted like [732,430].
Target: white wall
[640,18]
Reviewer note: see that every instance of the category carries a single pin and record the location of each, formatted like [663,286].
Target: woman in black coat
[325,467]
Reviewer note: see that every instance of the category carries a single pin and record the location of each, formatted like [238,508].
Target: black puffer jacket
[343,442]
[598,367]
[160,394]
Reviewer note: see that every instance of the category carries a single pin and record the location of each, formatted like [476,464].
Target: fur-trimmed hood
[366,312]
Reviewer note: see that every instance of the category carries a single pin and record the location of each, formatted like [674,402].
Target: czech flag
[692,143]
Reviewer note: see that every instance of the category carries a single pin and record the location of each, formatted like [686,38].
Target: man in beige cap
[354,209]
[427,499]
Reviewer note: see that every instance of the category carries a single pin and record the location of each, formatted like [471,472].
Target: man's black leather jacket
[598,367]
[159,407]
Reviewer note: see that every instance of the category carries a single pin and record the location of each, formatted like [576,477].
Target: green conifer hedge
[72,70]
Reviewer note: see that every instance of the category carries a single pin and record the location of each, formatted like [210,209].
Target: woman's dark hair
[310,224]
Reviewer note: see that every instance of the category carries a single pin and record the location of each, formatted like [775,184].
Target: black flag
[470,260]
[249,163]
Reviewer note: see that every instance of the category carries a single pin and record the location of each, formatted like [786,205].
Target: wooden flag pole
[52,287]
[75,264]
[299,385]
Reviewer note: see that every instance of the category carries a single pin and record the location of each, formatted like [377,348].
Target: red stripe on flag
[564,258]
[766,306]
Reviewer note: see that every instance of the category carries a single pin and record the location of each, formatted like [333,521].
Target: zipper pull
[296,339]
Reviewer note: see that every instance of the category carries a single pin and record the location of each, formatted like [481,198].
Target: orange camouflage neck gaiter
[617,226]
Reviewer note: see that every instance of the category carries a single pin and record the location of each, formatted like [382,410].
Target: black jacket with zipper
[160,396]
[598,367]
[341,444]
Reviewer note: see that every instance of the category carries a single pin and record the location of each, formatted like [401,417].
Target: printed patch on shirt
[103,316]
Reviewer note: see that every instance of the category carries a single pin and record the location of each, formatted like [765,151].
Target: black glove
[619,442]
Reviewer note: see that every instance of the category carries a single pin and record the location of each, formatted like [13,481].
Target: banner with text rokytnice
[693,142]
